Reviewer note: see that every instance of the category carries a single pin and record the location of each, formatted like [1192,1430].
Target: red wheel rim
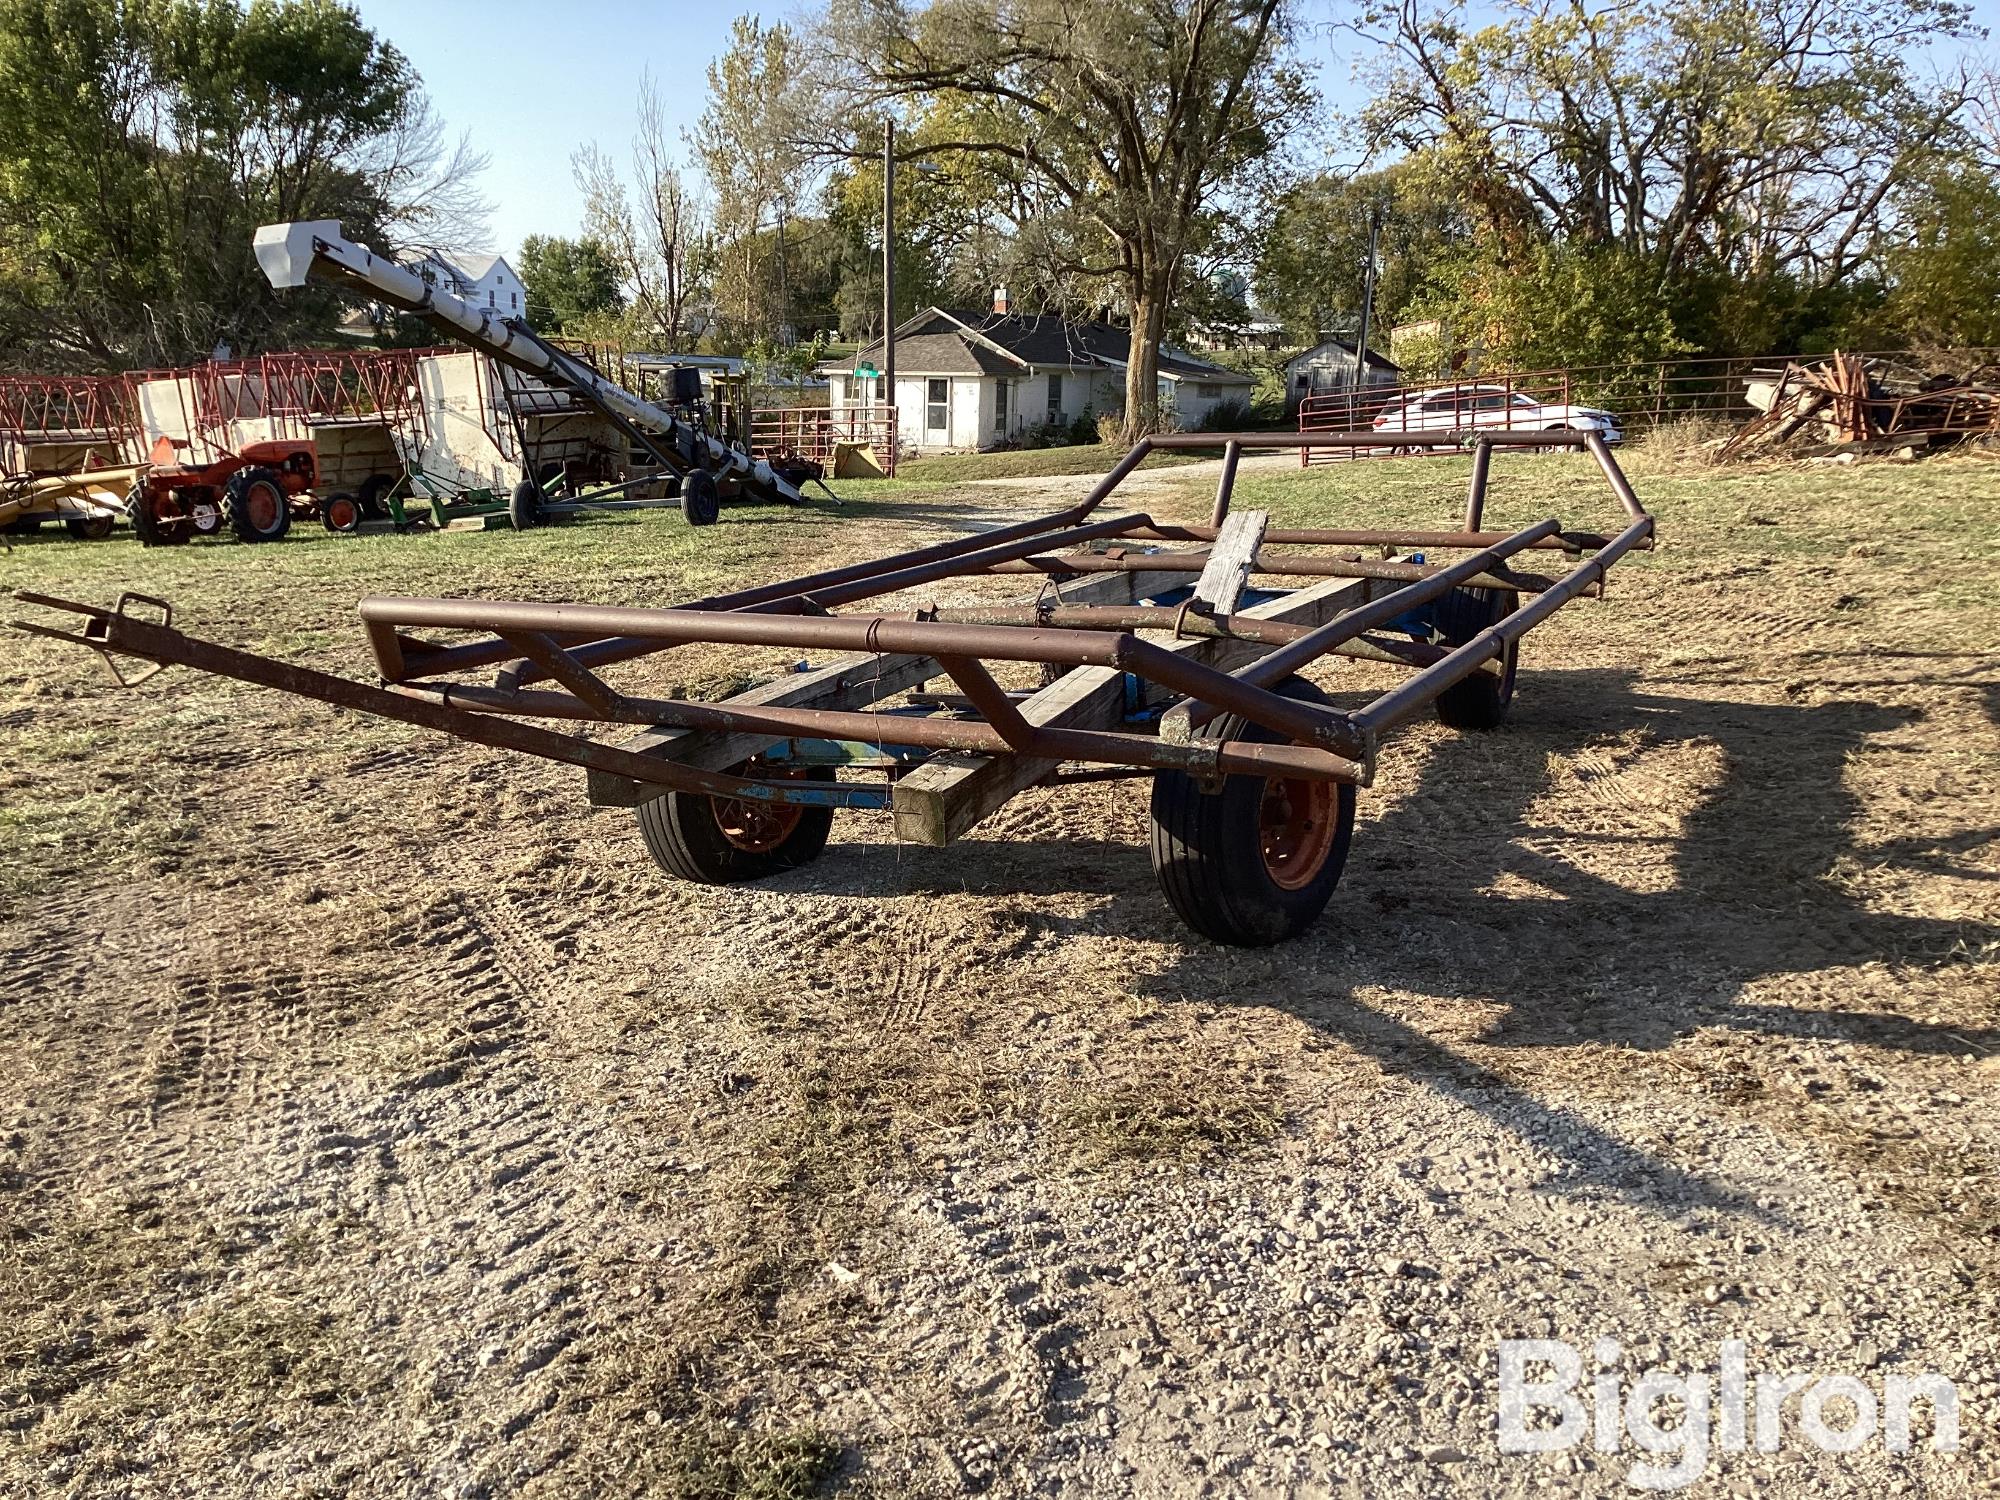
[344,514]
[1297,822]
[758,827]
[261,505]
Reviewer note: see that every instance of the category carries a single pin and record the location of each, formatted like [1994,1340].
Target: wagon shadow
[1665,917]
[1462,892]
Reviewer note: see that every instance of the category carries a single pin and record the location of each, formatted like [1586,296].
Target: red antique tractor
[251,492]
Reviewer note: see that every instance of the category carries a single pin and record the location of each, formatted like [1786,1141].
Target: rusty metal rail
[1209,703]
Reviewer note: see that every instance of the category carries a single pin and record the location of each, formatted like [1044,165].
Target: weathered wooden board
[1227,573]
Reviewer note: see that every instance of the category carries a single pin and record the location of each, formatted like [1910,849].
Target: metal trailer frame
[1253,771]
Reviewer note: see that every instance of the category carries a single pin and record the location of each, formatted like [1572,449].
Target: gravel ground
[374,1122]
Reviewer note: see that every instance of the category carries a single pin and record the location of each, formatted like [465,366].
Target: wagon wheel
[701,501]
[1480,701]
[342,514]
[255,505]
[91,528]
[723,840]
[160,517]
[374,490]
[1254,860]
[524,506]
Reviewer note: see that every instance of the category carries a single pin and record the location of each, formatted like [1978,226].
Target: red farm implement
[1155,661]
[65,456]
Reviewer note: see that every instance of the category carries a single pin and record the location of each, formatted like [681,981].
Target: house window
[514,299]
[1000,389]
[1209,392]
[1055,395]
[492,299]
[937,405]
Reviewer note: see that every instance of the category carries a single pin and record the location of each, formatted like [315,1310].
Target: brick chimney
[1001,306]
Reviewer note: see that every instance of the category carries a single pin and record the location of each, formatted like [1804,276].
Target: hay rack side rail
[1159,659]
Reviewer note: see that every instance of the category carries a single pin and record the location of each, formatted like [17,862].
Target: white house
[968,380]
[483,280]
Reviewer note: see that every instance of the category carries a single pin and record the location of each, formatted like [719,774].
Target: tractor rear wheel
[701,501]
[255,505]
[1480,701]
[1254,860]
[341,514]
[725,840]
[159,518]
[93,528]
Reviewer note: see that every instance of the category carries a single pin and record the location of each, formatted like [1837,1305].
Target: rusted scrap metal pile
[1160,661]
[1848,403]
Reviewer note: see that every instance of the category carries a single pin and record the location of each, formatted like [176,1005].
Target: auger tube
[290,254]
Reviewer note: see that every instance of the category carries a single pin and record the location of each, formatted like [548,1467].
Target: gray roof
[1344,347]
[938,341]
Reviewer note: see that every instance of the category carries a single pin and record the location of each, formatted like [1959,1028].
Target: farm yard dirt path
[376,1121]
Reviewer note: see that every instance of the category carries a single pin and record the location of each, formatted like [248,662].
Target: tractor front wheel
[726,840]
[1251,860]
[256,506]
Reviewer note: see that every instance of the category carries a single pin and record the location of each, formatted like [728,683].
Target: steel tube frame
[566,643]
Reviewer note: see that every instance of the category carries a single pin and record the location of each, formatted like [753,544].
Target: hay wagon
[1159,660]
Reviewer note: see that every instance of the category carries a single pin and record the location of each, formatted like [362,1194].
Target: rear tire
[1480,701]
[374,490]
[88,528]
[159,519]
[341,514]
[256,506]
[725,840]
[1254,861]
[524,506]
[701,501]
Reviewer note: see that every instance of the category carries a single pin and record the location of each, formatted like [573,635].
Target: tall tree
[745,141]
[1310,261]
[664,248]
[568,281]
[142,143]
[1124,126]
[1754,139]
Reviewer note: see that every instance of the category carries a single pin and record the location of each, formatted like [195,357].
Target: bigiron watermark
[1680,1420]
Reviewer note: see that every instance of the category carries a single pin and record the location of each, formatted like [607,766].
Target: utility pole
[1367,312]
[889,262]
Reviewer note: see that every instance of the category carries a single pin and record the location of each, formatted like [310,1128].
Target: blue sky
[533,82]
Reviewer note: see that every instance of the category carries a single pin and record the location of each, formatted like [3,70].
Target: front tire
[701,501]
[1255,860]
[256,506]
[728,840]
